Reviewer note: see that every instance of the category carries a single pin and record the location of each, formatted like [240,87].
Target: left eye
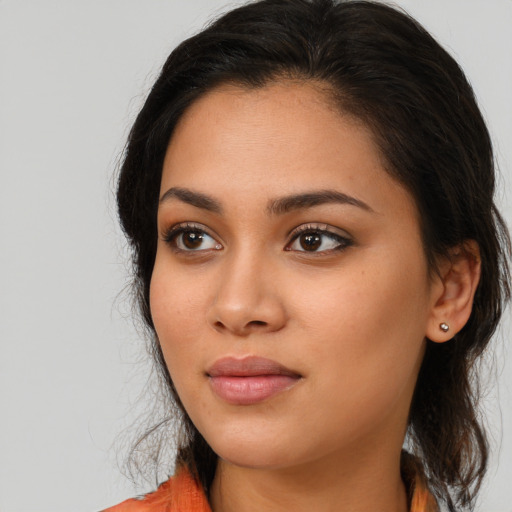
[318,241]
[192,240]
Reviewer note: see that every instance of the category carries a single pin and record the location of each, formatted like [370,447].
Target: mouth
[249,380]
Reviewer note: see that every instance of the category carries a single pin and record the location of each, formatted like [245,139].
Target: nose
[247,299]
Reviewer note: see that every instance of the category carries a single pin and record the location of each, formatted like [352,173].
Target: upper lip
[250,366]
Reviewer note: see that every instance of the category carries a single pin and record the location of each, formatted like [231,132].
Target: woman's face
[290,292]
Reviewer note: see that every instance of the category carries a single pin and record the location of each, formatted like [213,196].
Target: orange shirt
[182,493]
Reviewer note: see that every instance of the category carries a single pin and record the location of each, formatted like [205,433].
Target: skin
[350,317]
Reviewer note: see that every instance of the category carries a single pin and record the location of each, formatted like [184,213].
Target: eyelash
[322,230]
[171,237]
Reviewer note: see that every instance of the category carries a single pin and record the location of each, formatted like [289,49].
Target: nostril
[257,323]
[253,324]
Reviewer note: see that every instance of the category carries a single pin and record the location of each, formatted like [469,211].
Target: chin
[262,452]
[255,460]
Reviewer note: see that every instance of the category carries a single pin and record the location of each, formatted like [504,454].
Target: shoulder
[181,493]
[132,505]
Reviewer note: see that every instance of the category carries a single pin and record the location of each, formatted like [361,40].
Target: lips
[250,380]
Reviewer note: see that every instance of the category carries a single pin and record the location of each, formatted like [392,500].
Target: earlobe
[458,279]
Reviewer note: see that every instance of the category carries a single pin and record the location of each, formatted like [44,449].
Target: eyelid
[170,231]
[169,234]
[321,228]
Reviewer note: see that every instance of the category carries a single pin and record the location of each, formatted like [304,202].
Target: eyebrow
[193,198]
[287,204]
[279,206]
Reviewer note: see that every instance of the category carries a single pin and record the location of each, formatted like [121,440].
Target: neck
[363,483]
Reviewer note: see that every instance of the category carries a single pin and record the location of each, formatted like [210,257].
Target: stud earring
[444,327]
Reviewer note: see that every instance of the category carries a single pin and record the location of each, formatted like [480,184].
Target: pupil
[310,241]
[192,239]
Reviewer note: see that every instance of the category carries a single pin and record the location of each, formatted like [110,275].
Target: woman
[308,191]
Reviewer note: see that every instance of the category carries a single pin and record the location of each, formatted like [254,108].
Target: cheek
[365,344]
[177,310]
[376,297]
[177,297]
[371,320]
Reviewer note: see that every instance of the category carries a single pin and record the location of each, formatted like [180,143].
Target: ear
[453,292]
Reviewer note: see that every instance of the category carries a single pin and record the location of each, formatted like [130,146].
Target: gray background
[73,75]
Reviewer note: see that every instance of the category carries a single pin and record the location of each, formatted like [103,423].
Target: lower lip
[250,390]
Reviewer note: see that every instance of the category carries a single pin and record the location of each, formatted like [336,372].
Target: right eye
[190,239]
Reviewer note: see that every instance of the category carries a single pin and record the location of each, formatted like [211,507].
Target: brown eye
[319,241]
[310,241]
[192,239]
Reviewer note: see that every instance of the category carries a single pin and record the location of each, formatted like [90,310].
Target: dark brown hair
[386,70]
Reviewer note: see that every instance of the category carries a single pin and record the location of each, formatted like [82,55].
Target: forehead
[290,100]
[280,118]
[278,139]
